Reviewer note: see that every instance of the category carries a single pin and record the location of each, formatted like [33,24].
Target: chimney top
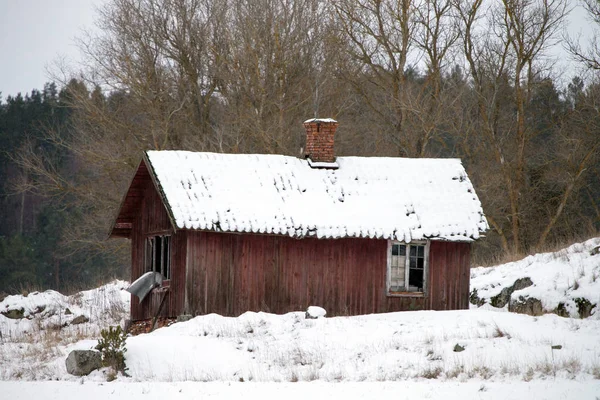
[319,142]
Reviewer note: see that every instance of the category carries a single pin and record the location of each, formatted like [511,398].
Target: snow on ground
[380,347]
[261,347]
[51,310]
[34,342]
[560,279]
[546,389]
[478,353]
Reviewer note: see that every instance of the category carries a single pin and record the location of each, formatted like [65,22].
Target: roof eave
[114,231]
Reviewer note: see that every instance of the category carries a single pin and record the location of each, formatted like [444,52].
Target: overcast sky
[36,33]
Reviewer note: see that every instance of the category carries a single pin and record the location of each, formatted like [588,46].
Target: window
[158,255]
[407,268]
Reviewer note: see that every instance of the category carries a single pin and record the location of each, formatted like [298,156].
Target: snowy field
[484,353]
[545,389]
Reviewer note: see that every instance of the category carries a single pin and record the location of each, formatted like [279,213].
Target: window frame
[406,293]
[150,262]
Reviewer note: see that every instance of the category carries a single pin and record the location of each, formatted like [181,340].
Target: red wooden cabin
[234,232]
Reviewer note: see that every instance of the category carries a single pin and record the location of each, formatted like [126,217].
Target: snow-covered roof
[392,198]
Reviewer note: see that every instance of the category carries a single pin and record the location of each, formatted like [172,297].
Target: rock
[39,309]
[314,312]
[79,320]
[556,347]
[68,312]
[584,306]
[82,362]
[17,313]
[184,317]
[475,299]
[595,251]
[526,305]
[503,298]
[458,348]
[561,310]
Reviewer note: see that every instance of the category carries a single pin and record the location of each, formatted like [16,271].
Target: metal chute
[144,284]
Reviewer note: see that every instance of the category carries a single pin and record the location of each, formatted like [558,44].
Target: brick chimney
[319,140]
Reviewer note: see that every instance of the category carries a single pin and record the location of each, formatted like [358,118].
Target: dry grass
[455,371]
[432,373]
[594,370]
[529,374]
[500,333]
[485,256]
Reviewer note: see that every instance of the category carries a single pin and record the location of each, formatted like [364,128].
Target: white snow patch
[315,312]
[322,164]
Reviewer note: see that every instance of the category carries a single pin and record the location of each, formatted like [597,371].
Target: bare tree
[505,62]
[273,70]
[381,35]
[165,54]
[390,41]
[411,78]
[590,56]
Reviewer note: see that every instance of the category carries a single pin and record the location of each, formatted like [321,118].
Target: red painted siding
[449,265]
[152,219]
[231,273]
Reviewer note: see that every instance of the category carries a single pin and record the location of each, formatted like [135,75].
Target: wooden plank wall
[152,219]
[229,274]
[449,265]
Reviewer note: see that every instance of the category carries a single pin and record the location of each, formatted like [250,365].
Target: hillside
[565,282]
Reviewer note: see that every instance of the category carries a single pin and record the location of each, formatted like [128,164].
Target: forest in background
[407,78]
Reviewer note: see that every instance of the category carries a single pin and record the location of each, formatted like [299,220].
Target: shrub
[431,373]
[112,347]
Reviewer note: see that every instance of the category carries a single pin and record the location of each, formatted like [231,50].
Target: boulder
[16,313]
[82,362]
[503,298]
[526,305]
[184,317]
[475,299]
[80,319]
[584,306]
[38,309]
[561,310]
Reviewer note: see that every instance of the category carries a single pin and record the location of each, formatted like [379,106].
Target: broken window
[158,255]
[406,268]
